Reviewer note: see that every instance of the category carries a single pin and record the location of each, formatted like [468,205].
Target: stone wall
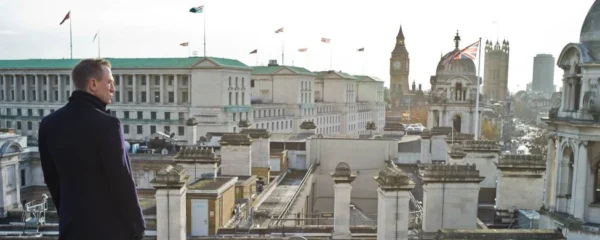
[520,182]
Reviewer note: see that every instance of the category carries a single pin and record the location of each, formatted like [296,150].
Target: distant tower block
[495,77]
[171,189]
[342,177]
[521,184]
[450,194]
[392,204]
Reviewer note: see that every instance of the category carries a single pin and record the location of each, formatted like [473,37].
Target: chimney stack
[273,62]
[342,177]
[192,123]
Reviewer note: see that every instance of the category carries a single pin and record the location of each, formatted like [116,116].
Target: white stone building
[573,159]
[160,94]
[453,94]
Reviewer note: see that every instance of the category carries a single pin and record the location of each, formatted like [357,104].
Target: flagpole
[204,15]
[477,97]
[282,48]
[330,56]
[71,33]
[98,43]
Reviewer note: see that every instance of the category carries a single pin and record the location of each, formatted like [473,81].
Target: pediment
[285,70]
[206,63]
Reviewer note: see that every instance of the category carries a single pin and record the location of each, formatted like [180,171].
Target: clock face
[397,65]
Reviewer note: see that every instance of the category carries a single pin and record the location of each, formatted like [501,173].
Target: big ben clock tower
[399,65]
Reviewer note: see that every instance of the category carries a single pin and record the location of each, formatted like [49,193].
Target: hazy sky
[152,28]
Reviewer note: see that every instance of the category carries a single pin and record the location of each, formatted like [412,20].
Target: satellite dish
[172,135]
[127,146]
[164,151]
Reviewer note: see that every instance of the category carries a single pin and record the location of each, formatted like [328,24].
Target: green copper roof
[366,78]
[118,63]
[273,69]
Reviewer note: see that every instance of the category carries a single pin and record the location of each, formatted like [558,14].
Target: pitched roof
[322,74]
[274,69]
[119,63]
[367,78]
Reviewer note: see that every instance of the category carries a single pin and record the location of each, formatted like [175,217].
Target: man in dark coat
[85,162]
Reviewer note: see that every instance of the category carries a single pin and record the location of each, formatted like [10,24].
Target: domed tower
[495,76]
[399,69]
[590,36]
[453,92]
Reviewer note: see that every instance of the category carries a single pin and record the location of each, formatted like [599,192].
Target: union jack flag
[469,52]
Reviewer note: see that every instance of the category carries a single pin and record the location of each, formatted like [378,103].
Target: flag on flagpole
[325,40]
[302,49]
[198,9]
[254,51]
[95,36]
[279,30]
[470,52]
[362,49]
[68,16]
[184,44]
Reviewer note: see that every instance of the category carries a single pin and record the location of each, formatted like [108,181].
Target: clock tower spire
[399,69]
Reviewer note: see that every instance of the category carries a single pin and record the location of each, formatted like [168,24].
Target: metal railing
[300,187]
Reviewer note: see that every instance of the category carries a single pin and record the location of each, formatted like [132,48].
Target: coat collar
[82,98]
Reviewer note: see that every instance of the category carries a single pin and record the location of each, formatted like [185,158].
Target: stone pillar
[444,188]
[192,123]
[580,181]
[175,89]
[393,204]
[16,88]
[550,174]
[261,149]
[426,146]
[36,88]
[48,93]
[5,88]
[198,161]
[148,99]
[61,88]
[162,88]
[170,184]
[520,184]
[342,177]
[26,88]
[135,90]
[236,154]
[71,84]
[122,83]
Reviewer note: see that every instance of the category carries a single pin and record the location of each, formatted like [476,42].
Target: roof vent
[273,62]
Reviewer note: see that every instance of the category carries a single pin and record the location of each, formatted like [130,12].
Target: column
[15,88]
[393,204]
[122,82]
[162,88]
[26,88]
[71,84]
[564,95]
[61,88]
[5,87]
[550,174]
[580,181]
[134,83]
[176,89]
[48,84]
[342,177]
[171,190]
[36,87]
[148,100]
[17,180]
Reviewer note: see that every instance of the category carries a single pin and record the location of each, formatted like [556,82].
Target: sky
[155,28]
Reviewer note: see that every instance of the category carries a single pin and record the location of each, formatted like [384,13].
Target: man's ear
[92,84]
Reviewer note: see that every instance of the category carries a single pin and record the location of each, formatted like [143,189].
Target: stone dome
[590,30]
[455,66]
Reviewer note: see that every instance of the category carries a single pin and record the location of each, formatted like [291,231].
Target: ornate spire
[456,40]
[400,34]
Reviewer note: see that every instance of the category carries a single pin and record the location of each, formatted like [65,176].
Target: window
[184,81]
[130,96]
[117,97]
[156,96]
[152,115]
[8,124]
[143,80]
[19,111]
[180,131]
[243,85]
[230,81]
[251,83]
[234,117]
[236,98]
[23,177]
[167,129]
[243,98]
[68,94]
[126,129]
[45,95]
[55,95]
[23,95]
[170,80]
[29,126]
[181,115]
[129,82]
[140,129]
[126,114]
[171,97]
[152,129]
[157,81]
[167,115]
[144,96]
[18,125]
[140,115]
[41,112]
[117,81]
[236,82]
[184,96]
[230,98]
